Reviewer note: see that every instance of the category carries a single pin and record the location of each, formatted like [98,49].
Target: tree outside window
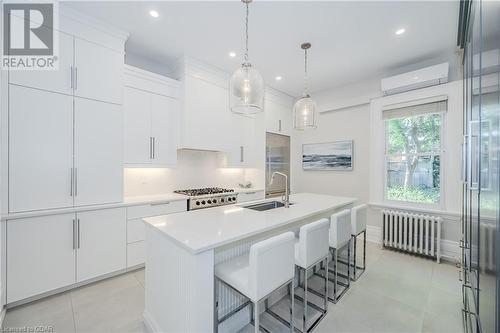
[413,160]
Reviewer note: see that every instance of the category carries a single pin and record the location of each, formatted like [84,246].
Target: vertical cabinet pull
[78,232]
[76,78]
[76,182]
[74,234]
[242,154]
[154,147]
[150,147]
[71,76]
[279,125]
[71,184]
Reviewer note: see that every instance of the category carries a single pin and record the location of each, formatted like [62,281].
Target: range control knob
[234,198]
[197,203]
[214,201]
[222,200]
[228,199]
[209,202]
[203,202]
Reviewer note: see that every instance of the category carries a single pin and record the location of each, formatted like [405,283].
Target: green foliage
[421,194]
[413,135]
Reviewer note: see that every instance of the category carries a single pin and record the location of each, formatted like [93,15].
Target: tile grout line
[72,311]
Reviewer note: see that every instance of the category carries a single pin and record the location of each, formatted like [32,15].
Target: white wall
[346,124]
[194,169]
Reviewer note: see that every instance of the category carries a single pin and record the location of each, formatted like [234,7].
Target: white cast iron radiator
[415,233]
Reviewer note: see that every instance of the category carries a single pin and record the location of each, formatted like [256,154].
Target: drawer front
[135,254]
[162,208]
[135,230]
[250,196]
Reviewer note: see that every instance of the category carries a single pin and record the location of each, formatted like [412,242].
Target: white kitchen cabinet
[278,117]
[205,116]
[98,72]
[59,80]
[164,129]
[40,255]
[40,149]
[137,126]
[241,146]
[151,128]
[98,152]
[101,239]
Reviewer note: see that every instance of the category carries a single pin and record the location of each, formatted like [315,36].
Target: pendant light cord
[306,87]
[246,35]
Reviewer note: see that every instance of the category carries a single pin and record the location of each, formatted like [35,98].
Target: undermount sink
[266,205]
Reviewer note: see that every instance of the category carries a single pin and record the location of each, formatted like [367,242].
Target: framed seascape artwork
[328,156]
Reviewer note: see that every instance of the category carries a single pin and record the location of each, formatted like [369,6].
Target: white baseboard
[450,250]
[151,325]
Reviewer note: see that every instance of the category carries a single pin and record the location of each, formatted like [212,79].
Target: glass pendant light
[305,111]
[246,87]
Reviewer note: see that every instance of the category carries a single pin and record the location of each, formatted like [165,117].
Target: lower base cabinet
[55,251]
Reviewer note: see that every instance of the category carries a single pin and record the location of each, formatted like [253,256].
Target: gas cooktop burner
[209,197]
[204,191]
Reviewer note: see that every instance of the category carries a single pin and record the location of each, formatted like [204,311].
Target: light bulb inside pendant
[305,112]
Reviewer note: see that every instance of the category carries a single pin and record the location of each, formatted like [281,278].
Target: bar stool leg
[304,327]
[216,306]
[349,266]
[292,301]
[326,283]
[335,276]
[355,251]
[364,249]
[256,316]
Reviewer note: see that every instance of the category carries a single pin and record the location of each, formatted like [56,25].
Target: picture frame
[328,156]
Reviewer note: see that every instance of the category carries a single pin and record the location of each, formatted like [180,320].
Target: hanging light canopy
[305,112]
[246,87]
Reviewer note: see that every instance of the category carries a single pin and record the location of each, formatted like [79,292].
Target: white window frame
[441,154]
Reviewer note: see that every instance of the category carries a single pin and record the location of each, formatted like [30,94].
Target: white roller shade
[415,108]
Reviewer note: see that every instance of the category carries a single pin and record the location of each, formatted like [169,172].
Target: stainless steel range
[209,197]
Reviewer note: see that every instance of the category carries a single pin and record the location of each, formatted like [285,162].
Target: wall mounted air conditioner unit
[421,78]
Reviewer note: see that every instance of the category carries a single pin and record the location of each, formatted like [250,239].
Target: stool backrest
[358,219]
[340,228]
[313,241]
[272,263]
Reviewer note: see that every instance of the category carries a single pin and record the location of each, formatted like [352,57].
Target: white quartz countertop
[141,199]
[206,229]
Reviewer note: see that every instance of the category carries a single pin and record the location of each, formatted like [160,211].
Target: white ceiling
[350,40]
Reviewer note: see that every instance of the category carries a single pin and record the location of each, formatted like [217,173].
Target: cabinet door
[98,152]
[205,115]
[278,118]
[101,242]
[40,255]
[241,144]
[99,72]
[40,149]
[137,126]
[59,80]
[165,125]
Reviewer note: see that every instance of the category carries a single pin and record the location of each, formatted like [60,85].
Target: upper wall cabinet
[91,58]
[98,72]
[151,119]
[278,109]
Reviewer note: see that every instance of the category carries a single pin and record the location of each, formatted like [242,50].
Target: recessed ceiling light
[278,78]
[232,54]
[154,13]
[400,31]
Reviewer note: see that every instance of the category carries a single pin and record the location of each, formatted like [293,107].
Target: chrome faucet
[286,200]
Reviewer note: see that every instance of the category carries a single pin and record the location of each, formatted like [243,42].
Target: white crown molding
[154,77]
[74,15]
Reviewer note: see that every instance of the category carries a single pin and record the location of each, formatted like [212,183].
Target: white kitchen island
[182,250]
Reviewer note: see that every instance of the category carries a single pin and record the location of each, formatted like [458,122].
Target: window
[413,153]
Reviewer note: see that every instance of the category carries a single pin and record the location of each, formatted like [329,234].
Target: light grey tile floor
[397,293]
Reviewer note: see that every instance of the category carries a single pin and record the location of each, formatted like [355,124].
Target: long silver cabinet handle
[71,183]
[78,231]
[76,182]
[242,154]
[160,203]
[74,234]
[154,147]
[76,78]
[150,147]
[279,125]
[71,76]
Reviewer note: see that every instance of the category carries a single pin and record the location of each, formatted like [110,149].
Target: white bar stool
[340,237]
[358,222]
[311,249]
[268,267]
